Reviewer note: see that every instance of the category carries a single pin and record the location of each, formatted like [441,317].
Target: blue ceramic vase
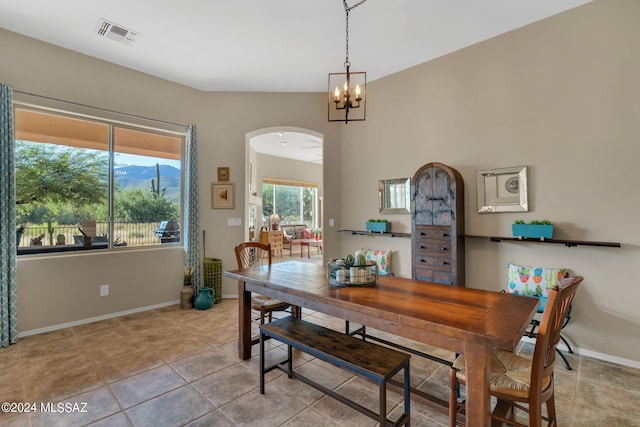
[204,300]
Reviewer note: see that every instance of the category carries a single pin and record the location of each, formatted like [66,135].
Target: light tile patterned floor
[171,367]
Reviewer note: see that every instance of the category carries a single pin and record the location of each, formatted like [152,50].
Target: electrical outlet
[104,290]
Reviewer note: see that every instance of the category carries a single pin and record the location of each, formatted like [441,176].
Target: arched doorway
[285,155]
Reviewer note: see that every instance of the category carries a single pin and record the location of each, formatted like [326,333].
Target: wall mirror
[394,196]
[502,190]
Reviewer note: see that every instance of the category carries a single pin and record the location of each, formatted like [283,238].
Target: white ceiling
[274,45]
[293,145]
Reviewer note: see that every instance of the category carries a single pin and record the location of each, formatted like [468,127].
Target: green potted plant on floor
[186,295]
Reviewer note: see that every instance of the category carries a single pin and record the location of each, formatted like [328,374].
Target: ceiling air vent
[115,32]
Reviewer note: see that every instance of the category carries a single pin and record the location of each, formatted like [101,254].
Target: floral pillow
[533,281]
[382,258]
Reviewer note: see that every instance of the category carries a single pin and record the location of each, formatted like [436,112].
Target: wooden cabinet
[437,222]
[275,238]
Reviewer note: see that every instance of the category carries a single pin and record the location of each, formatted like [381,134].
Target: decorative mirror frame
[389,205]
[502,190]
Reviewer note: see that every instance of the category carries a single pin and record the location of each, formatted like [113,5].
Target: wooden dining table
[472,322]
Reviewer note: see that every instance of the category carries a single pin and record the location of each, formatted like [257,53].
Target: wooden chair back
[252,254]
[544,354]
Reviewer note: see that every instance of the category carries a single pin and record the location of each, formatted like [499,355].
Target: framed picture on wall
[502,190]
[222,196]
[223,174]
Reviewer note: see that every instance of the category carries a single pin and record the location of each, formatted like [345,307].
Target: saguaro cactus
[155,184]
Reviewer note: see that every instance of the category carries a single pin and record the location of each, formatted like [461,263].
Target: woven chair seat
[261,301]
[510,374]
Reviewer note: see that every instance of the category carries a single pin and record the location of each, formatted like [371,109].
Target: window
[88,182]
[294,201]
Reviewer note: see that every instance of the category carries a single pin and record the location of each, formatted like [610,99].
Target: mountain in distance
[140,177]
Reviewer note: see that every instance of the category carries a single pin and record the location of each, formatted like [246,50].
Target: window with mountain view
[88,183]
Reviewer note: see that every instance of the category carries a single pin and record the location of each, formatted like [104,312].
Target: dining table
[468,321]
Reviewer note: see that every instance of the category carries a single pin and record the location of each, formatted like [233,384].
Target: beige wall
[65,289]
[560,96]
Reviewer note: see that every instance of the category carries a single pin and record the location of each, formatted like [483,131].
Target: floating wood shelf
[568,243]
[373,233]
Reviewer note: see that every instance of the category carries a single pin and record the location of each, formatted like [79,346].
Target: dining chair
[253,254]
[514,379]
[532,281]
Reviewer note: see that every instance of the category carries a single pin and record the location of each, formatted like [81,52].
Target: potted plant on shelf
[533,230]
[378,226]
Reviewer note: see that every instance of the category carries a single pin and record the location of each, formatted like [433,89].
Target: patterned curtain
[191,224]
[8,304]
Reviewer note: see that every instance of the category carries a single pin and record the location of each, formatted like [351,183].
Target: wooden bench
[364,358]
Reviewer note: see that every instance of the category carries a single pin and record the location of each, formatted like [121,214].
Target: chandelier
[347,90]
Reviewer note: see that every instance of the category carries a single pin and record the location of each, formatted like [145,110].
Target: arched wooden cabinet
[437,209]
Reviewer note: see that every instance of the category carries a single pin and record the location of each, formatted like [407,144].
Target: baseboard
[95,319]
[594,354]
[607,358]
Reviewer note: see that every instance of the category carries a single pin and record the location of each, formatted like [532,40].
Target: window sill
[33,250]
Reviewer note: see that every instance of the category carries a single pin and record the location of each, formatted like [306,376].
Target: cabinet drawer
[433,232]
[442,277]
[434,276]
[430,248]
[422,274]
[433,263]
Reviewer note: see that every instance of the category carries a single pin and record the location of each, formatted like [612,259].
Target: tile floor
[172,367]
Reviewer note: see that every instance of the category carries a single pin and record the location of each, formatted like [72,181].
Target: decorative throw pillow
[382,258]
[297,234]
[533,281]
[307,233]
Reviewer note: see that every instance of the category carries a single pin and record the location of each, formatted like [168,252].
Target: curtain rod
[98,108]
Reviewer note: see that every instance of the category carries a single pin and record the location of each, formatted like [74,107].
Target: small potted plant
[186,295]
[37,241]
[534,229]
[188,274]
[378,226]
[317,233]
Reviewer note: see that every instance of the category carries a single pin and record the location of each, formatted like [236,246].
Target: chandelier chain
[348,9]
